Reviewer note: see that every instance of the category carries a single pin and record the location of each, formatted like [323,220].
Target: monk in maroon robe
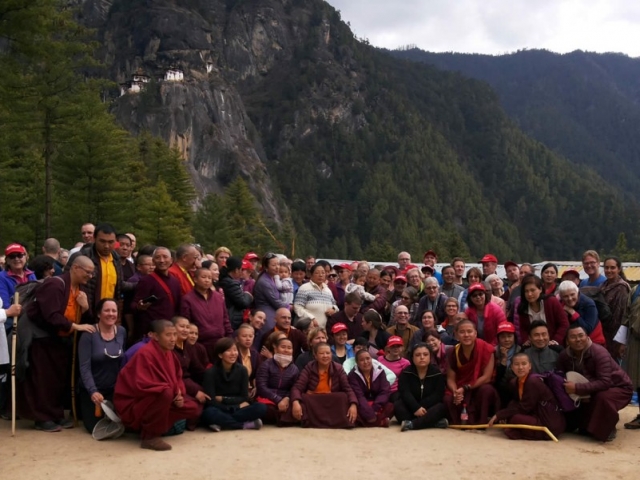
[533,404]
[60,304]
[469,377]
[150,394]
[608,386]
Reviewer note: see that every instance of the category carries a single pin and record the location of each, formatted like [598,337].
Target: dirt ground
[295,453]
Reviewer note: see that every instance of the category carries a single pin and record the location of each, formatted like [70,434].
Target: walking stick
[14,341]
[73,378]
[507,425]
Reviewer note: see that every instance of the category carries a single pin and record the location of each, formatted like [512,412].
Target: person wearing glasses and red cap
[15,274]
[489,264]
[341,348]
[253,258]
[486,316]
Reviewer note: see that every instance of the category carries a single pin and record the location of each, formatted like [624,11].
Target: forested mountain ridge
[583,105]
[350,152]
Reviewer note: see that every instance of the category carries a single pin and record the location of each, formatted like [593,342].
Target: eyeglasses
[431,288]
[14,256]
[405,298]
[269,256]
[91,273]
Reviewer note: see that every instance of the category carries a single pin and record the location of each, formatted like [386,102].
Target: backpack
[555,381]
[595,294]
[27,292]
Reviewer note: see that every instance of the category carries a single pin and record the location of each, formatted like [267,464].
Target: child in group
[358,286]
[393,359]
[285,286]
[534,404]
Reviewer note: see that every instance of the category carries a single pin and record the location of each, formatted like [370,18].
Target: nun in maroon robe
[150,395]
[533,403]
[608,386]
[469,377]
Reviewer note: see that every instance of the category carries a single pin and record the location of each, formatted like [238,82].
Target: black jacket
[233,386]
[235,299]
[416,393]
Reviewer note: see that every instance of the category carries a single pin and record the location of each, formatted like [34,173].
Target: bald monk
[61,301]
[150,394]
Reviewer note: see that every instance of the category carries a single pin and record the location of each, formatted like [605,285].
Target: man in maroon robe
[150,394]
[608,386]
[157,296]
[60,303]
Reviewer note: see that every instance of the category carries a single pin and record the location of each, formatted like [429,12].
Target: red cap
[569,272]
[475,287]
[251,256]
[247,265]
[343,266]
[489,257]
[14,248]
[395,269]
[510,263]
[354,265]
[338,327]
[411,266]
[430,252]
[400,278]
[395,340]
[506,327]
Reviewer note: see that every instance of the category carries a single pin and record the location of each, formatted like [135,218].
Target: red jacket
[493,316]
[556,317]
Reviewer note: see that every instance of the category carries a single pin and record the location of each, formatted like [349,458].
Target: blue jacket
[8,286]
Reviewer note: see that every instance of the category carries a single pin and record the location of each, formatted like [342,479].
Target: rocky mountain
[368,154]
[583,105]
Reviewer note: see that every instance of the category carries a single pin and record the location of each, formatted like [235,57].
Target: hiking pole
[507,425]
[73,378]
[14,341]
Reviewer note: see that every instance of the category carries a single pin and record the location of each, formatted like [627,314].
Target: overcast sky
[497,26]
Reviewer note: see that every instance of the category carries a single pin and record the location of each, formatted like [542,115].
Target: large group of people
[178,340]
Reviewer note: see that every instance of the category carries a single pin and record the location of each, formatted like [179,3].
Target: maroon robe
[538,407]
[609,386]
[192,369]
[48,379]
[481,401]
[145,391]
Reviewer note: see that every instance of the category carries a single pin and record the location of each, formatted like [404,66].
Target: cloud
[497,26]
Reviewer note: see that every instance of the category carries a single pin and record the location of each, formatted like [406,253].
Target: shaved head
[159,326]
[82,261]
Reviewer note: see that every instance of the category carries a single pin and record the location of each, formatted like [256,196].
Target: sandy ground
[295,453]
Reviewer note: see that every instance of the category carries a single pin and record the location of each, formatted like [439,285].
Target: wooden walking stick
[507,425]
[14,341]
[73,378]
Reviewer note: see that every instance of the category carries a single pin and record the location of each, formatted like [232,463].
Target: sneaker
[633,424]
[444,423]
[156,444]
[48,426]
[255,425]
[612,436]
[215,428]
[406,425]
[65,423]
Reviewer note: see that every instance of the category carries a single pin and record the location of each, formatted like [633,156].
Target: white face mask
[283,360]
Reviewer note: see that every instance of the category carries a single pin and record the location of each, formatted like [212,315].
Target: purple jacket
[275,383]
[377,392]
[267,299]
[309,378]
[209,314]
[598,366]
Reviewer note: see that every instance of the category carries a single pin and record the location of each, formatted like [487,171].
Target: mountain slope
[368,153]
[585,106]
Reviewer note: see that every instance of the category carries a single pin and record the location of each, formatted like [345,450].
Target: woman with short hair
[582,310]
[314,299]
[372,390]
[322,396]
[549,275]
[266,296]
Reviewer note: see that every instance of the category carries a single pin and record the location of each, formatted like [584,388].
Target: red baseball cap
[14,248]
[489,257]
[400,278]
[430,252]
[571,271]
[411,266]
[247,265]
[506,327]
[343,266]
[395,340]
[475,287]
[338,327]
[510,263]
[393,268]
[251,256]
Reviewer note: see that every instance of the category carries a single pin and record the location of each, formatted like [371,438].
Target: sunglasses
[333,275]
[13,256]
